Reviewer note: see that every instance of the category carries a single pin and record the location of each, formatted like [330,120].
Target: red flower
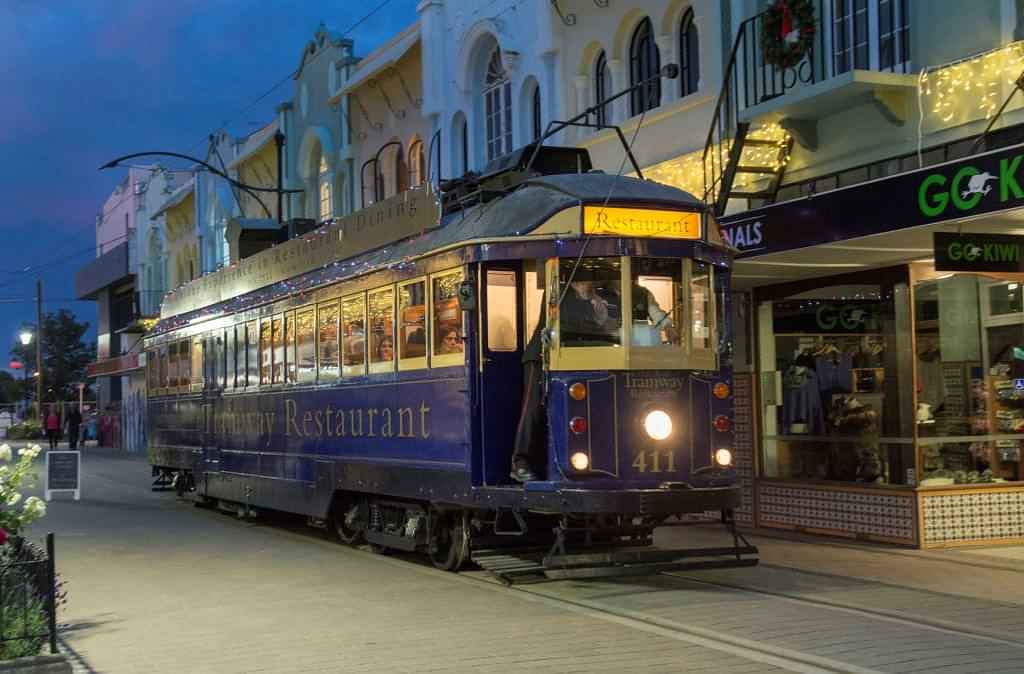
[3,536]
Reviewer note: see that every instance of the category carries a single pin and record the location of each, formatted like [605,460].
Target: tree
[65,356]
[10,389]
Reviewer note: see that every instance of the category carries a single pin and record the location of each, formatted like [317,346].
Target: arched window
[368,180]
[324,179]
[417,164]
[498,107]
[602,88]
[537,128]
[644,63]
[689,55]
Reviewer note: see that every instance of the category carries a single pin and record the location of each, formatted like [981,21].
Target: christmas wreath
[787,32]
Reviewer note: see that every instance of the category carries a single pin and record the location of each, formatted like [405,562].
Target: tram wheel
[349,519]
[448,544]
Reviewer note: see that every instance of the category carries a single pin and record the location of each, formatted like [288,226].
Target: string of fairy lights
[970,88]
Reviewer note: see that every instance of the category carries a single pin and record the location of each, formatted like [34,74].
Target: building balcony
[109,269]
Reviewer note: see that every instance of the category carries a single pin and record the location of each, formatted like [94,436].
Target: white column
[620,80]
[580,86]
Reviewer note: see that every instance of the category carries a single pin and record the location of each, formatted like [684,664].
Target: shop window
[412,331]
[835,408]
[277,346]
[289,348]
[502,310]
[657,301]
[970,379]
[197,364]
[252,353]
[353,335]
[327,341]
[305,345]
[448,346]
[382,330]
[702,311]
[590,308]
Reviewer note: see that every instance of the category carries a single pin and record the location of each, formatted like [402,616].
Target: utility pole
[39,350]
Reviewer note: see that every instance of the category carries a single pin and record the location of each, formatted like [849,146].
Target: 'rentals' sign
[398,217]
[979,252]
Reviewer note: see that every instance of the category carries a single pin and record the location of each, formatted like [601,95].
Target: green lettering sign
[969,198]
[932,204]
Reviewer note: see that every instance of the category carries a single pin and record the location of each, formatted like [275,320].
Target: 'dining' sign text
[641,222]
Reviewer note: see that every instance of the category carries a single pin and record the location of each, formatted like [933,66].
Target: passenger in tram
[385,350]
[451,342]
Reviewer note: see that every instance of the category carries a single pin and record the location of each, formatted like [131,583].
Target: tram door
[501,366]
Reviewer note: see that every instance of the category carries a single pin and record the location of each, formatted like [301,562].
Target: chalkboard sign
[62,473]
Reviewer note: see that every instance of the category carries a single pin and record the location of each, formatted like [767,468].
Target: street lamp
[25,337]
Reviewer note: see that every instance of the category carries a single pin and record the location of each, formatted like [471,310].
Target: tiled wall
[959,517]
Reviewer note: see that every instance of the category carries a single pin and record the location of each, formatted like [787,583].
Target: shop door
[500,366]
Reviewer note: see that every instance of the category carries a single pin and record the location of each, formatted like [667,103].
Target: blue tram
[376,388]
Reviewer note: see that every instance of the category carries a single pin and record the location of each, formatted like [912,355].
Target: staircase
[741,160]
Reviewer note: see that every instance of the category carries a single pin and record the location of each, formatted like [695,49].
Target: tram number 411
[654,461]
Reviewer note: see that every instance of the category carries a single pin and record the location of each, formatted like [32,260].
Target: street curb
[39,664]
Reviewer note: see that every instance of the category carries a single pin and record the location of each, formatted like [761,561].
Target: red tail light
[578,425]
[722,424]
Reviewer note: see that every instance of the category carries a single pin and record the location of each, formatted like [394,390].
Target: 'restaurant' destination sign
[641,222]
[411,212]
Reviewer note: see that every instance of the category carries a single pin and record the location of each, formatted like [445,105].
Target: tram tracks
[832,637]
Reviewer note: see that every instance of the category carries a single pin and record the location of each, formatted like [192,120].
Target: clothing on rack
[802,401]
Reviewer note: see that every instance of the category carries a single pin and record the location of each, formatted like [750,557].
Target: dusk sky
[84,81]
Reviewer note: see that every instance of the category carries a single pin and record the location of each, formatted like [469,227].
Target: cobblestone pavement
[157,585]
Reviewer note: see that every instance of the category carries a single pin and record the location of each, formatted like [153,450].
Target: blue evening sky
[83,81]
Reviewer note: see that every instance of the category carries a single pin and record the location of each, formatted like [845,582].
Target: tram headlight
[658,424]
[723,457]
[580,461]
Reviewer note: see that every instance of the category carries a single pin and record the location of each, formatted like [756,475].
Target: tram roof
[515,214]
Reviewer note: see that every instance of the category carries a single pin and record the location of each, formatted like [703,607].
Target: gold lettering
[386,432]
[405,422]
[339,424]
[371,413]
[289,417]
[307,418]
[269,419]
[355,431]
[318,418]
[329,411]
[424,411]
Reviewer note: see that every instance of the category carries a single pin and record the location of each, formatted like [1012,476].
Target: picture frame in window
[447,346]
[412,324]
[265,352]
[353,335]
[380,308]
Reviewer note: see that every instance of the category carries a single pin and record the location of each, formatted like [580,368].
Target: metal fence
[28,599]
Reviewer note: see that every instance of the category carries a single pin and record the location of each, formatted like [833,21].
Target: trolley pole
[39,350]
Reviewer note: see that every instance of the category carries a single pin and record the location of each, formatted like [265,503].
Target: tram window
[502,310]
[702,317]
[289,347]
[382,330]
[265,352]
[590,311]
[412,332]
[197,363]
[184,364]
[229,358]
[172,367]
[447,318]
[327,341]
[305,345]
[252,353]
[353,335]
[534,292]
[277,338]
[163,368]
[657,287]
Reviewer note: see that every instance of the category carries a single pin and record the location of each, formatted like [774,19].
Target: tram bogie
[388,400]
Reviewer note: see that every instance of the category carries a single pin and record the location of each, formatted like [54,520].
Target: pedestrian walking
[53,427]
[74,424]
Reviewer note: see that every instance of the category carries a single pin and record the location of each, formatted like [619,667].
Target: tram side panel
[291,449]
